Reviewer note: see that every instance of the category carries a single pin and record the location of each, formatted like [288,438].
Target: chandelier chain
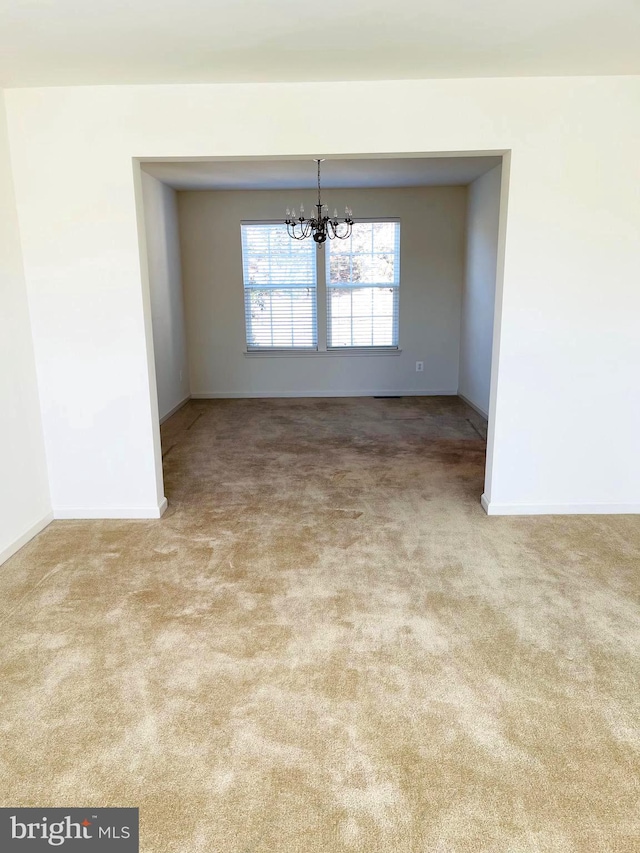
[322,226]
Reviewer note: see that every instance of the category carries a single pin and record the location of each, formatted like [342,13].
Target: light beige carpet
[325,645]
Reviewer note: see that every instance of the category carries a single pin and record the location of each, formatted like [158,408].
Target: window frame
[321,308]
[282,350]
[365,348]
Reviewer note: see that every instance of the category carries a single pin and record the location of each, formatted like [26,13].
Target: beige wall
[479,291]
[431,274]
[165,286]
[25,506]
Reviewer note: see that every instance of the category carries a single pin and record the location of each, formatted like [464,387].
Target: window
[363,283]
[279,288]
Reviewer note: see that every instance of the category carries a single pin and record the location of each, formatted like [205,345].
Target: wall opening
[453,210]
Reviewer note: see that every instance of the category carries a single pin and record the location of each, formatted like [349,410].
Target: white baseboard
[492,508]
[71,512]
[32,531]
[248,395]
[175,409]
[477,409]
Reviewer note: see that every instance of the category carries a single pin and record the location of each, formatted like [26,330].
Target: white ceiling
[302,174]
[75,42]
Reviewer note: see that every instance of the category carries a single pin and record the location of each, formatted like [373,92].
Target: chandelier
[320,225]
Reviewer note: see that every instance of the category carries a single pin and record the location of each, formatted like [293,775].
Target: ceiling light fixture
[321,225]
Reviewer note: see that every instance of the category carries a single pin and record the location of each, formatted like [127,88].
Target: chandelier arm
[301,235]
[346,233]
[321,226]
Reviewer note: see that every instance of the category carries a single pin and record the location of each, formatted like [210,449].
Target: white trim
[384,392]
[27,536]
[175,409]
[492,508]
[71,512]
[281,221]
[306,353]
[475,408]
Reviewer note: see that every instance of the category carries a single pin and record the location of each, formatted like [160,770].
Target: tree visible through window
[279,288]
[363,282]
[280,292]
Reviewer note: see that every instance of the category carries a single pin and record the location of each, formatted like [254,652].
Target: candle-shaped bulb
[302,210]
[335,212]
[293,213]
[288,213]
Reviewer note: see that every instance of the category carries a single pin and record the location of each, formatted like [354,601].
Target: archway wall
[479,289]
[564,409]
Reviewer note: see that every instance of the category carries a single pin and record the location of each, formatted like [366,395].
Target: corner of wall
[25,501]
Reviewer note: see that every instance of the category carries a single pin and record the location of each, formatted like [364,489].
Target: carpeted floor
[325,645]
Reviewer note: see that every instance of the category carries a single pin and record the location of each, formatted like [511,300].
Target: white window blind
[279,288]
[363,283]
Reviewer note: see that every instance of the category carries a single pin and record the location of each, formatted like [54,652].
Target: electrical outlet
[419,366]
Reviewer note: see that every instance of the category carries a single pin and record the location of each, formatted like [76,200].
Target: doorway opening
[437,385]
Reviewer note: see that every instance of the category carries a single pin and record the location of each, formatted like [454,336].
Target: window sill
[348,351]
